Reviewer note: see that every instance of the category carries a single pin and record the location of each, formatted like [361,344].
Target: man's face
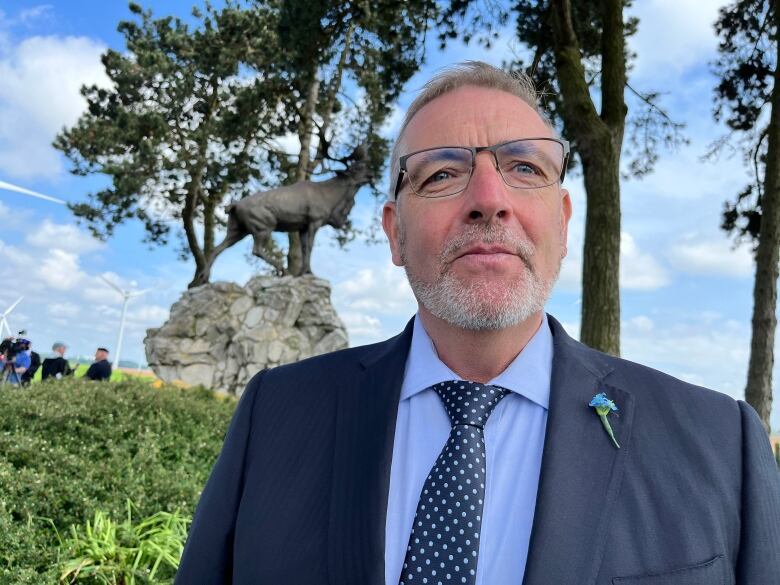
[100,355]
[61,350]
[487,257]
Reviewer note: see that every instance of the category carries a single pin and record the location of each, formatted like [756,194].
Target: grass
[110,553]
[72,448]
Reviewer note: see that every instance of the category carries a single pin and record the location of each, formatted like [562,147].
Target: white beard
[475,305]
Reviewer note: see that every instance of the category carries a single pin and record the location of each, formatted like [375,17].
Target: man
[56,367]
[101,369]
[18,364]
[32,369]
[465,450]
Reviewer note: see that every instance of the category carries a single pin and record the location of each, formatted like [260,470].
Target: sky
[686,289]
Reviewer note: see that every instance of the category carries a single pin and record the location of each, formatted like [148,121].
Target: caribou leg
[260,250]
[307,245]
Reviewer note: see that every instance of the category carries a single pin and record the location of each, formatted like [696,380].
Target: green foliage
[192,115]
[649,126]
[181,129]
[104,552]
[746,66]
[73,447]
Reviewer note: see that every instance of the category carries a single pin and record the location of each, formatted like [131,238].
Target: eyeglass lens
[523,164]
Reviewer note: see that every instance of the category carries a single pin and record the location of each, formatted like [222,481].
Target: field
[72,449]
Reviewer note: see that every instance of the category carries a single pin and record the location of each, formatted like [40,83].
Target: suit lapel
[363,450]
[581,469]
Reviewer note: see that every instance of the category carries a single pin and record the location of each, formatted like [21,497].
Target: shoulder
[316,380]
[325,371]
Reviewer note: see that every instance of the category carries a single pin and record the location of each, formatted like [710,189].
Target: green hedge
[70,448]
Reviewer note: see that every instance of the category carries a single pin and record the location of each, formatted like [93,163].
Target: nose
[487,196]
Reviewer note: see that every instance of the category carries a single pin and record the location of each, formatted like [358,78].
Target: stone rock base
[220,334]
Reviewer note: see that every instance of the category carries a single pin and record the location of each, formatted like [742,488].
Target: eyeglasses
[528,163]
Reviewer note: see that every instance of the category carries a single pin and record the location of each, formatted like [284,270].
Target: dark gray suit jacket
[299,493]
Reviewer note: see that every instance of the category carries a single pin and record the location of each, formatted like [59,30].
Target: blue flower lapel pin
[604,406]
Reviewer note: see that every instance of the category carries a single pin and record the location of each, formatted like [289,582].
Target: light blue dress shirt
[514,437]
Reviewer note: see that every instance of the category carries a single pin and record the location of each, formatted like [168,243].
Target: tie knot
[469,403]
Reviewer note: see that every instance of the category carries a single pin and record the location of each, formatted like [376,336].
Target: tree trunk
[295,252]
[600,326]
[306,163]
[188,219]
[599,139]
[758,391]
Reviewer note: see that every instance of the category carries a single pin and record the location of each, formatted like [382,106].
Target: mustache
[487,234]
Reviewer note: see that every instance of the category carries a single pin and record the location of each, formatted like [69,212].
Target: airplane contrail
[10,187]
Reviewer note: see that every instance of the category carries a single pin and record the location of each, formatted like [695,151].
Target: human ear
[566,211]
[390,221]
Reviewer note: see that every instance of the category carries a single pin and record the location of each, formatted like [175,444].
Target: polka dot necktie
[444,543]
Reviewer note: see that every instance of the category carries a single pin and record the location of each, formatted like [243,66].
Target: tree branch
[651,103]
[757,162]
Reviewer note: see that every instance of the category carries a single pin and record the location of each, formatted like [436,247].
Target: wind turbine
[4,318]
[126,295]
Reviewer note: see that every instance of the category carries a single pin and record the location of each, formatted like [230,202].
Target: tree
[180,131]
[194,114]
[748,99]
[579,52]
[328,46]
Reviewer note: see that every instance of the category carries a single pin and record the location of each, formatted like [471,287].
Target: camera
[13,346]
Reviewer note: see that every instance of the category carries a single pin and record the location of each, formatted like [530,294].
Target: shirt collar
[528,375]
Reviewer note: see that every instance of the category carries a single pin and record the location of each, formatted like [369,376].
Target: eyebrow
[528,147]
[444,153]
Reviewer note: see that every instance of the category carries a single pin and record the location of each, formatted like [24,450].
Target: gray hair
[473,73]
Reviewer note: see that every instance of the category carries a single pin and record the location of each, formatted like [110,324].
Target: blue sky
[686,290]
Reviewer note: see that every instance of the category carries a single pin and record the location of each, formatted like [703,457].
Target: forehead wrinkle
[483,116]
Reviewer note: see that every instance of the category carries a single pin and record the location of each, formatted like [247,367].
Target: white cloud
[66,237]
[638,270]
[60,270]
[693,348]
[570,278]
[148,314]
[361,326]
[392,123]
[712,257]
[668,45]
[382,290]
[641,323]
[63,309]
[34,13]
[39,95]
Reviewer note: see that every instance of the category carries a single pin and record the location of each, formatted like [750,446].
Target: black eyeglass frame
[475,150]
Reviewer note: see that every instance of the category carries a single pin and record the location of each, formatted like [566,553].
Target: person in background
[101,369]
[21,363]
[57,366]
[35,363]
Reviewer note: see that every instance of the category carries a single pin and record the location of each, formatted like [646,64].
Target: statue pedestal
[219,335]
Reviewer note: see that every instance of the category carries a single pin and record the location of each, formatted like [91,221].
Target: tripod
[10,375]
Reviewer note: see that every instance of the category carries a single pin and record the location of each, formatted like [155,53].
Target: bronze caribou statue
[302,207]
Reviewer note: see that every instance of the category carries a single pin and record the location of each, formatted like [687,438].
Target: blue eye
[524,168]
[440,176]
